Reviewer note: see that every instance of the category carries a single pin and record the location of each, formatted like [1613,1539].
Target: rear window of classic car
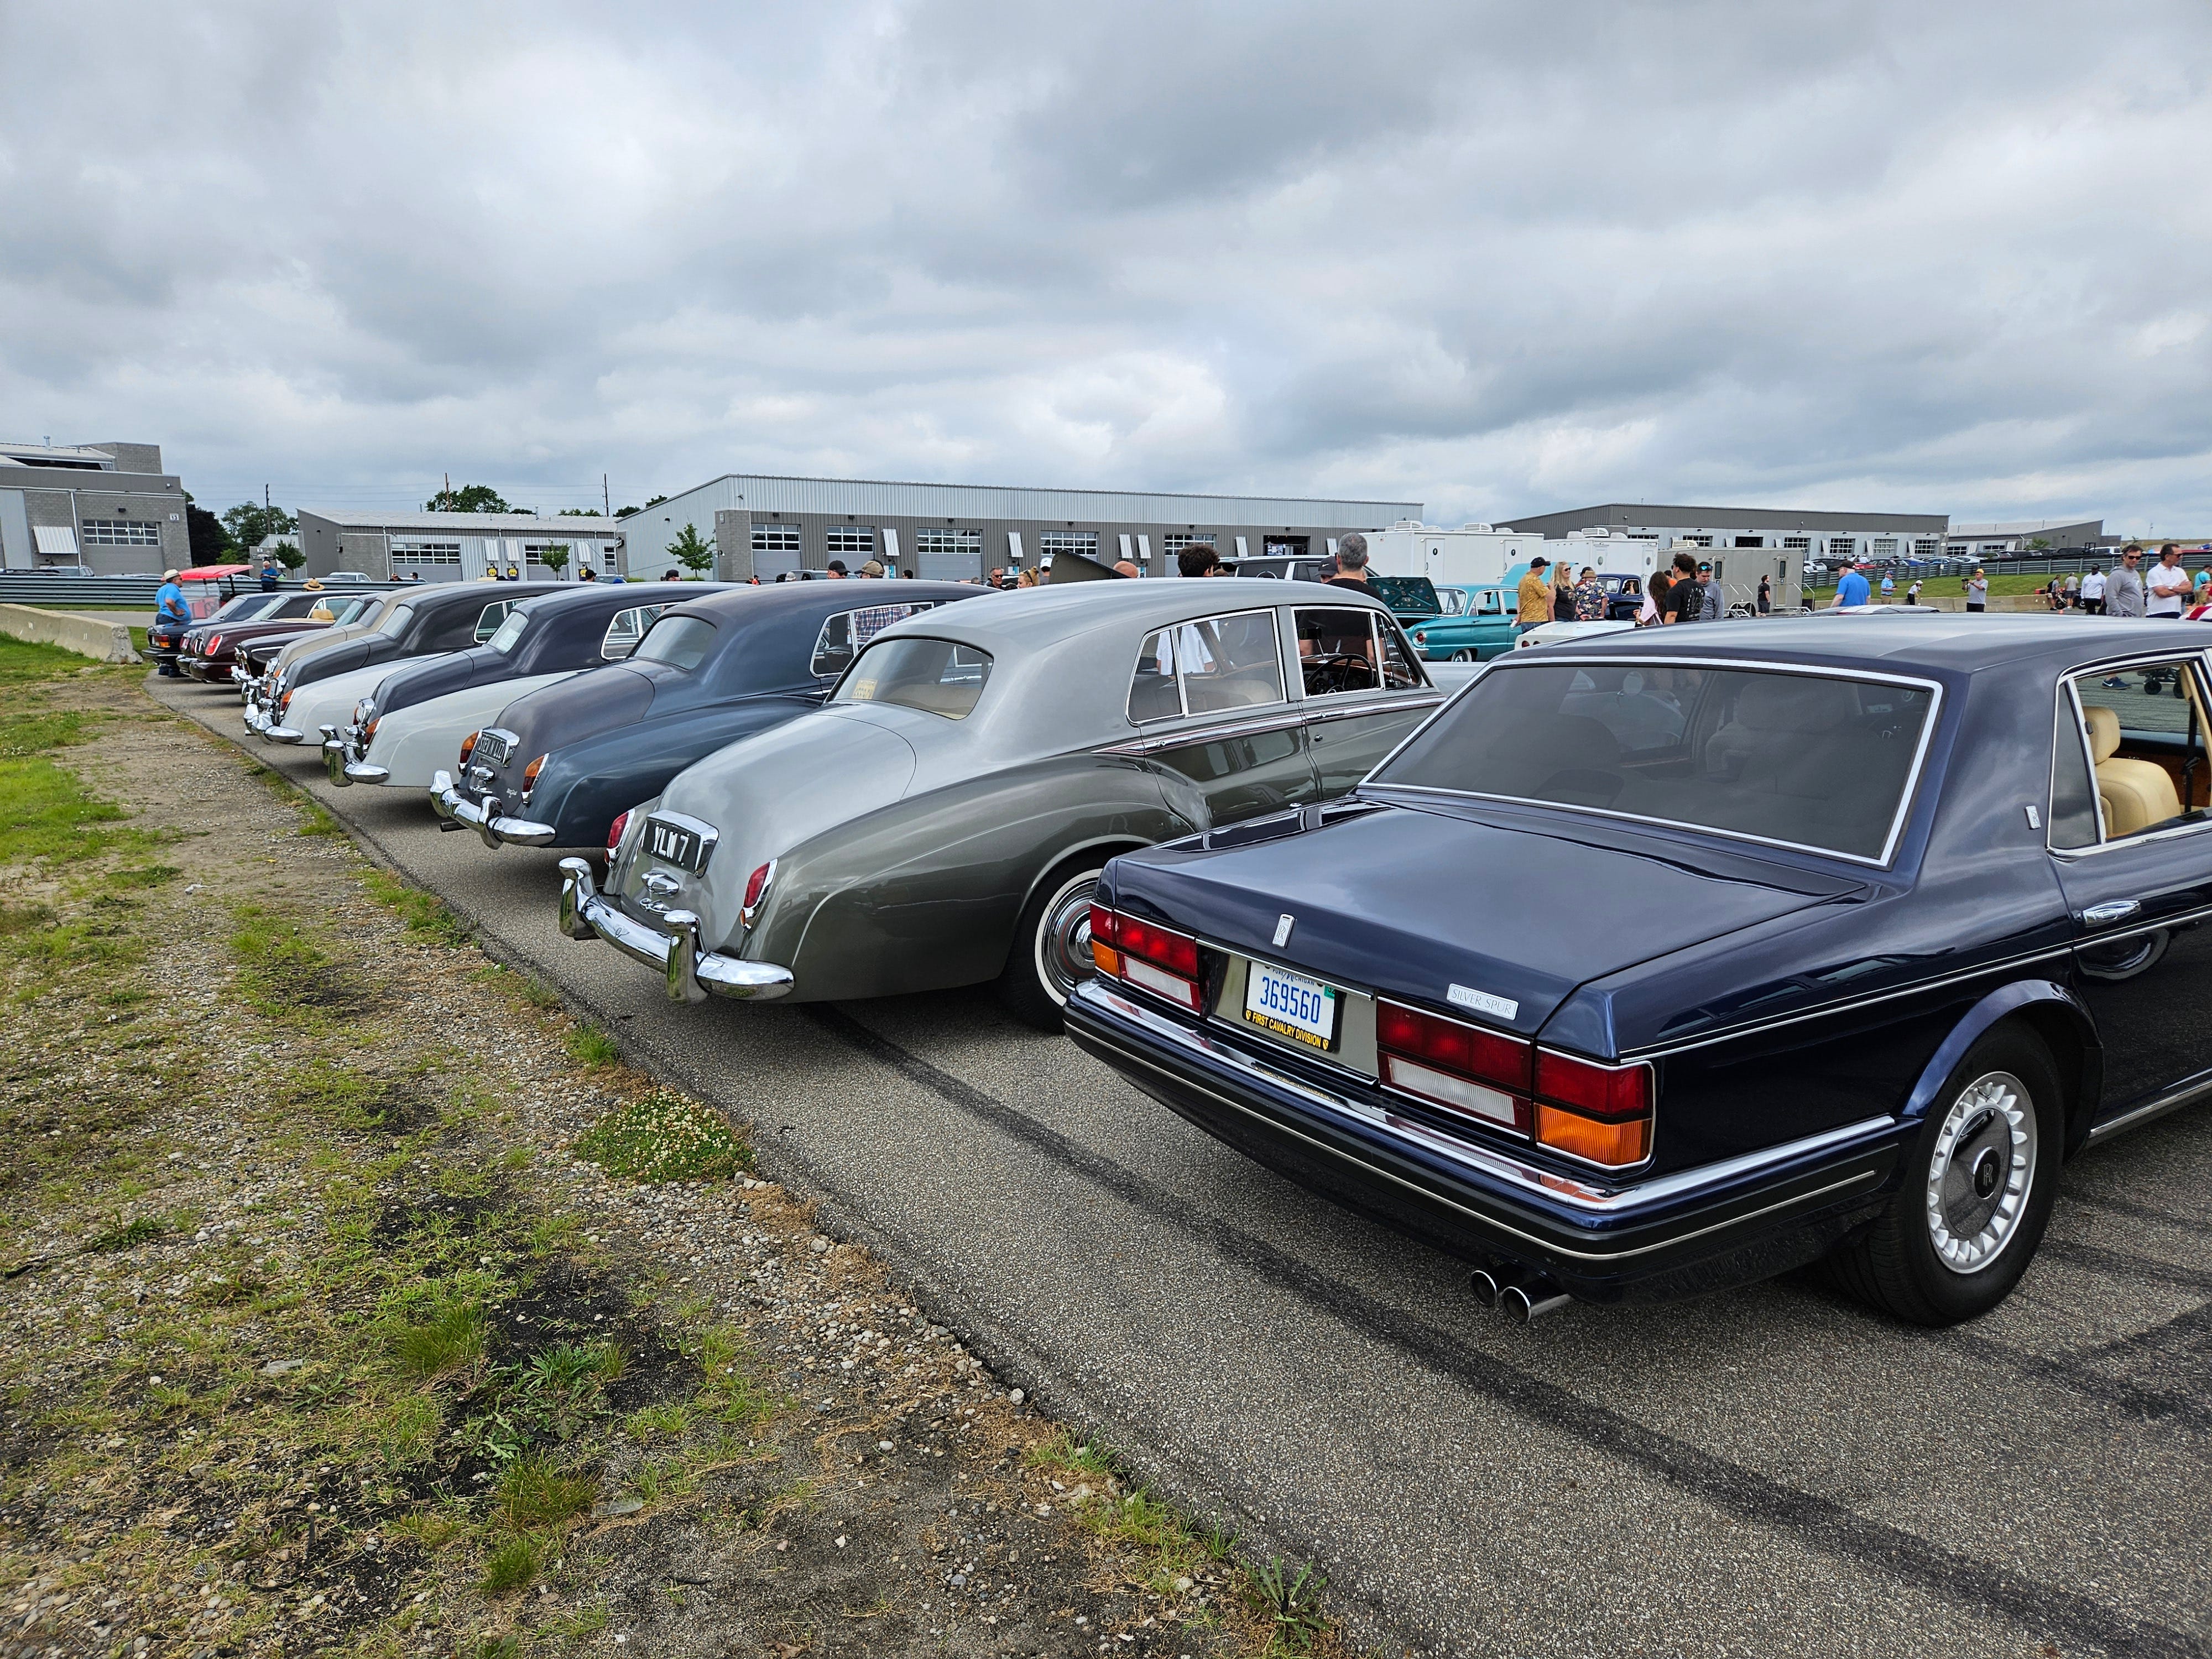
[936,676]
[509,630]
[850,631]
[1806,760]
[680,641]
[1207,667]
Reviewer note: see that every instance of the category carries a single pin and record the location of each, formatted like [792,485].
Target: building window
[1923,549]
[1698,540]
[949,543]
[1180,540]
[1798,543]
[1750,541]
[414,553]
[120,532]
[852,540]
[1052,542]
[775,538]
[1884,547]
[1842,544]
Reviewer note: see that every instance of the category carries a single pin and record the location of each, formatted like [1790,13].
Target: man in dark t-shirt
[1685,595]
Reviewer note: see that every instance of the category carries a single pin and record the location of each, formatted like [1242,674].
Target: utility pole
[264,497]
[605,500]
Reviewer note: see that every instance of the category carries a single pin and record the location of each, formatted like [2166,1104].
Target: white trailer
[1473,556]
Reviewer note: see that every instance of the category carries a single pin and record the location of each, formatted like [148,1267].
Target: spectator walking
[1563,593]
[2168,585]
[1888,587]
[1851,589]
[2124,592]
[2073,592]
[1714,605]
[1590,596]
[2092,591]
[268,577]
[1653,609]
[1350,562]
[1532,597]
[1978,592]
[1685,595]
[837,571]
[1766,596]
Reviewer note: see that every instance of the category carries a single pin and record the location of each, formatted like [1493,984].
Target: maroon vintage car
[211,647]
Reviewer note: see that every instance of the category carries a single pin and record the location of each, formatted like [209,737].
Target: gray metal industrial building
[1982,541]
[1808,531]
[769,525]
[109,505]
[444,547]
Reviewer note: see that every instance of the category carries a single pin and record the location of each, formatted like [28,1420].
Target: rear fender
[2055,1015]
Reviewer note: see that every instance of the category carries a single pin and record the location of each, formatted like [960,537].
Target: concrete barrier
[102,640]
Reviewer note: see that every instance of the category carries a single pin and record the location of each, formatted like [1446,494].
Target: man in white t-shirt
[2168,585]
[2092,591]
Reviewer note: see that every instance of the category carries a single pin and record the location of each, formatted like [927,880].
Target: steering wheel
[1339,672]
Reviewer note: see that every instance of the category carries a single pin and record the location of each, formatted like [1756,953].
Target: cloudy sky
[1497,258]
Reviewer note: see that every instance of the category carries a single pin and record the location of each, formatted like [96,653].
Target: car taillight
[530,775]
[284,702]
[756,886]
[1598,1113]
[368,732]
[1462,1067]
[213,644]
[614,830]
[469,746]
[1144,954]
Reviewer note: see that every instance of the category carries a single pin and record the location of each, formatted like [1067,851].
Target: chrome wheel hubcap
[1983,1169]
[1063,941]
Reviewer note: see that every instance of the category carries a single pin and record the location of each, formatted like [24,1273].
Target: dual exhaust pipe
[1521,1295]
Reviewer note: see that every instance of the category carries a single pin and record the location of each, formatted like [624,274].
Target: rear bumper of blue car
[1646,1239]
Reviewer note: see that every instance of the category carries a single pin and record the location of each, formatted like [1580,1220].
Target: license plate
[1291,1005]
[493,747]
[672,844]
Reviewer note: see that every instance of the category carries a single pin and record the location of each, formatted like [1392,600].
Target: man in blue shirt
[1852,588]
[171,615]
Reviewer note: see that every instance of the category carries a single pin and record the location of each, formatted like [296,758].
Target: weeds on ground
[424,913]
[282,972]
[588,1045]
[664,1136]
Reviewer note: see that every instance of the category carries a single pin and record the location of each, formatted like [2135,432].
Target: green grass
[420,911]
[512,1565]
[127,1235]
[454,1339]
[46,814]
[350,1098]
[662,1136]
[22,661]
[281,971]
[534,1492]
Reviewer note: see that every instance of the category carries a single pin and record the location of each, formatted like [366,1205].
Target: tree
[289,556]
[209,540]
[2040,544]
[581,512]
[469,498]
[554,558]
[695,555]
[652,500]
[628,512]
[251,524]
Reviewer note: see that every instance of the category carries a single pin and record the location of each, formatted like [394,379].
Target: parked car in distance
[1476,624]
[63,570]
[1302,567]
[1916,903]
[337,578]
[1559,633]
[413,722]
[942,821]
[561,764]
[321,686]
[211,646]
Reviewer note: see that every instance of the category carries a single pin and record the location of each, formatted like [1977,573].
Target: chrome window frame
[1182,701]
[1506,664]
[2198,666]
[990,661]
[1378,616]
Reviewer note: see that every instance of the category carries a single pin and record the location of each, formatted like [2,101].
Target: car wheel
[1463,656]
[1978,1182]
[1051,955]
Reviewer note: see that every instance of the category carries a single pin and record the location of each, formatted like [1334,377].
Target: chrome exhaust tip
[1525,1302]
[1489,1283]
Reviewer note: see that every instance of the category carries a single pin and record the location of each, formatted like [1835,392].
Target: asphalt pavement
[1769,1471]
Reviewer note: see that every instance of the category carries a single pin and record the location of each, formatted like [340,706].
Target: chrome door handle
[2104,916]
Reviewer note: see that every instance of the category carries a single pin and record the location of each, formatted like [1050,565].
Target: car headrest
[1794,702]
[2104,726]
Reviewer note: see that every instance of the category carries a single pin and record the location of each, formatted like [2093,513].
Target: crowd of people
[2165,587]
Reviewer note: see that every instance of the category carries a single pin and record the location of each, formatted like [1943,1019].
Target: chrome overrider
[693,975]
[338,748]
[456,810]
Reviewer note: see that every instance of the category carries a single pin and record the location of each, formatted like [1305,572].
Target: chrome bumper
[456,810]
[342,771]
[692,975]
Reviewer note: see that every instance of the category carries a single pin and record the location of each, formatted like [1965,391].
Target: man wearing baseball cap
[1533,596]
[171,615]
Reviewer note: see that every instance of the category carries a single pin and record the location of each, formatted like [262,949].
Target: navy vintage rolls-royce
[1680,959]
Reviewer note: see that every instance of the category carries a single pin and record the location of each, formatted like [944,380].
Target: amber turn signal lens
[1616,1145]
[469,746]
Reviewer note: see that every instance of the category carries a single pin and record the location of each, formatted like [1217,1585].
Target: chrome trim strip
[1904,799]
[1499,1165]
[1333,709]
[1550,1246]
[2173,1101]
[1284,719]
[2179,920]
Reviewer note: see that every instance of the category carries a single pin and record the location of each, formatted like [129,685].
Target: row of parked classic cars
[1632,967]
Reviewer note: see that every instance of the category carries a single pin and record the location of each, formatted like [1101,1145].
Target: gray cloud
[1499,257]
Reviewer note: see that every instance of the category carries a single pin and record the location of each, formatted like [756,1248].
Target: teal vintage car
[1477,624]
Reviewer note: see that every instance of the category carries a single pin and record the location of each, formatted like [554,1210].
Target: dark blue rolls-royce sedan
[1646,969]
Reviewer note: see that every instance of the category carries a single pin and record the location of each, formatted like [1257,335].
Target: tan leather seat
[2135,794]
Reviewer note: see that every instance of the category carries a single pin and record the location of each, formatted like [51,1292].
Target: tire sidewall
[1950,1295]
[1024,986]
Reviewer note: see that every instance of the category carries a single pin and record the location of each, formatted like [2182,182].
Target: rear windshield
[680,641]
[933,675]
[391,626]
[1814,760]
[504,636]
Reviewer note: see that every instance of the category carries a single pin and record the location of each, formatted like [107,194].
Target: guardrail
[76,593]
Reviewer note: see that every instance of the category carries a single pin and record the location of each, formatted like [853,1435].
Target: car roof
[1962,643]
[1033,618]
